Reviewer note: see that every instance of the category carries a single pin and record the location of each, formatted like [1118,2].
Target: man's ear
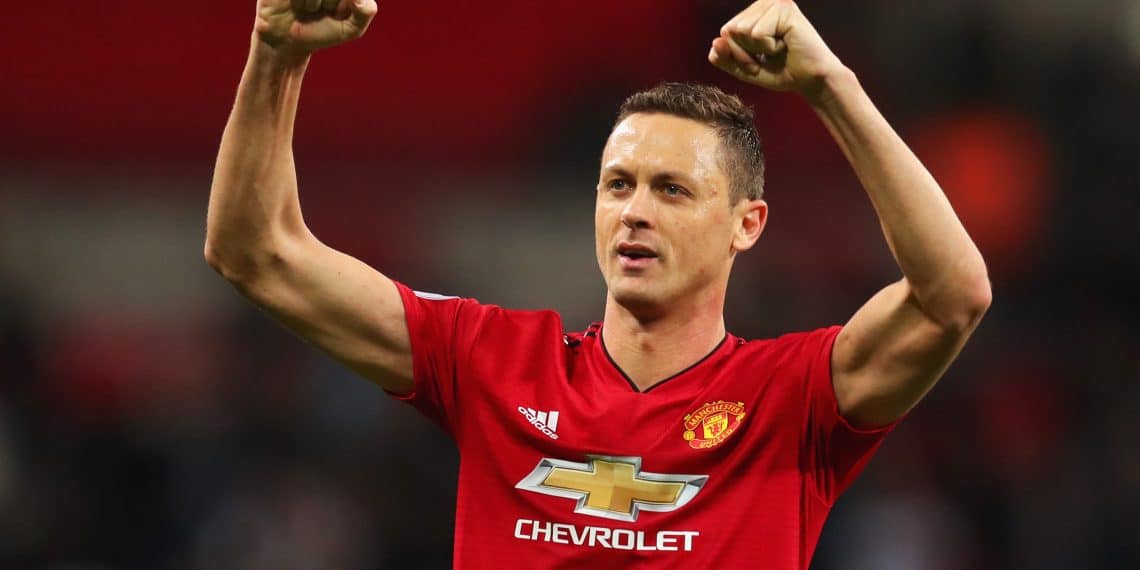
[752,215]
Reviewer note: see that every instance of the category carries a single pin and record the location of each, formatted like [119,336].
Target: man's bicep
[342,306]
[889,355]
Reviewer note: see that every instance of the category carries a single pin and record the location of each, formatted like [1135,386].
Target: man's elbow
[214,258]
[971,300]
[235,264]
[979,299]
[245,258]
[956,304]
[218,260]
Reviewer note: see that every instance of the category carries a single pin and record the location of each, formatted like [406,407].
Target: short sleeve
[836,450]
[442,331]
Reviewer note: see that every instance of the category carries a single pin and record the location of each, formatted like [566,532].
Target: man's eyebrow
[616,169]
[663,176]
[671,176]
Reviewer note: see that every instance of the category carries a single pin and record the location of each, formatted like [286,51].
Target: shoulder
[470,312]
[522,327]
[787,349]
[791,341]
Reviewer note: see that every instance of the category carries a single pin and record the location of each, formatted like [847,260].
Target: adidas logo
[546,422]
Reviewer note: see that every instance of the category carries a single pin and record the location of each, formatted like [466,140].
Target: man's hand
[771,44]
[300,27]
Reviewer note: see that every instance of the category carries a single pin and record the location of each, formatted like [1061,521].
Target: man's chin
[638,300]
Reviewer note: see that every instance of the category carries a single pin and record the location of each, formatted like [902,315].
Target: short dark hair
[742,153]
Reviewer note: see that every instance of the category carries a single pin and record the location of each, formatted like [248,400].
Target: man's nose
[638,210]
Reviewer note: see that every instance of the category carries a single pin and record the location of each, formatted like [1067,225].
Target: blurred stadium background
[150,419]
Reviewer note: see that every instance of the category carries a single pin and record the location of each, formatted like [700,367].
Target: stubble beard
[644,300]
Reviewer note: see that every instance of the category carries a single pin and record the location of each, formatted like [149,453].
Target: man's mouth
[635,255]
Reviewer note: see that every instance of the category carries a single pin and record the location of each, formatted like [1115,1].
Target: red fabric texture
[775,461]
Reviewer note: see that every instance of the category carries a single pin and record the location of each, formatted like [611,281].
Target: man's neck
[651,350]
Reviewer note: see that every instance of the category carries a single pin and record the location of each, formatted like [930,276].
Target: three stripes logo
[546,422]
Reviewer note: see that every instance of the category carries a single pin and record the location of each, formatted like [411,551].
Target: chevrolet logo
[612,487]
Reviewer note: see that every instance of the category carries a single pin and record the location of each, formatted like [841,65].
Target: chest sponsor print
[709,425]
[612,487]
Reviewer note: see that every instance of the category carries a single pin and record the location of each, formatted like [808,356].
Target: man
[654,439]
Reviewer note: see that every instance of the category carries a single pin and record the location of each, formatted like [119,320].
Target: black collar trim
[664,380]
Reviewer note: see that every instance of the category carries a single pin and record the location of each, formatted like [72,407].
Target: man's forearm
[939,260]
[254,192]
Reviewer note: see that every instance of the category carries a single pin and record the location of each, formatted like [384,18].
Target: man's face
[663,223]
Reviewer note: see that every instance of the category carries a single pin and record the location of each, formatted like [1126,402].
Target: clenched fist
[304,26]
[772,44]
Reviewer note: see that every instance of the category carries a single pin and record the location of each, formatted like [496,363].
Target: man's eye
[673,190]
[618,185]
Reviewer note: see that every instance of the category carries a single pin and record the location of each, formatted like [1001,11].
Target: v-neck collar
[612,366]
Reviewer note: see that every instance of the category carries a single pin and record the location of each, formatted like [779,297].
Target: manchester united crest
[712,423]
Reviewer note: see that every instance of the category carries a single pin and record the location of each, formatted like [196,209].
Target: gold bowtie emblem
[612,487]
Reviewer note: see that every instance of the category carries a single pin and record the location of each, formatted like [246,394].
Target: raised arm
[256,236]
[894,349]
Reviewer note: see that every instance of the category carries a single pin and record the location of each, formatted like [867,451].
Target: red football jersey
[731,463]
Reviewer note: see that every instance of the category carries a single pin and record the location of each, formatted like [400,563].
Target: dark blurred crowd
[150,419]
